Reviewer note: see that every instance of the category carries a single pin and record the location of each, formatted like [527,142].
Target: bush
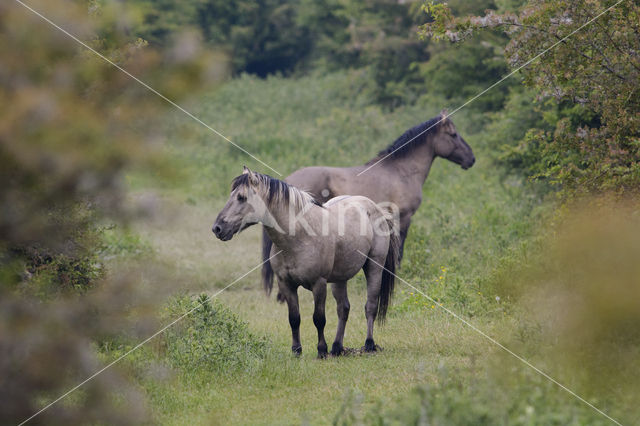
[210,338]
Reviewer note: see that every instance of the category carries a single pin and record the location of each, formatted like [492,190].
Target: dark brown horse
[396,180]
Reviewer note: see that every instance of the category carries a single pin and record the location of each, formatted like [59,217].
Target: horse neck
[417,164]
[280,232]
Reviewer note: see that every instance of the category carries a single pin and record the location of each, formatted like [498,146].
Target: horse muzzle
[468,164]
[222,230]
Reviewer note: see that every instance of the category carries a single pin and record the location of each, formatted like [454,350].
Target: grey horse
[317,244]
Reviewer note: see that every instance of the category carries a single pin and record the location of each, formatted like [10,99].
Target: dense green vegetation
[108,197]
[591,139]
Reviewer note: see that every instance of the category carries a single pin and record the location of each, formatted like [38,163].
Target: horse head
[244,208]
[450,145]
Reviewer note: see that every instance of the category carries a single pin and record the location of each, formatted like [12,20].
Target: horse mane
[406,143]
[275,191]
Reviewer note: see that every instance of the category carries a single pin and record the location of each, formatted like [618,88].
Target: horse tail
[267,270]
[389,271]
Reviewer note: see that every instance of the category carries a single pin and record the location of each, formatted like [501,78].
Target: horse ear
[253,178]
[444,124]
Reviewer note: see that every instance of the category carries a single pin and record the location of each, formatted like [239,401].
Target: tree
[261,37]
[593,76]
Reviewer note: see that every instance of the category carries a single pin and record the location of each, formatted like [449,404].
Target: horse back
[314,180]
[325,183]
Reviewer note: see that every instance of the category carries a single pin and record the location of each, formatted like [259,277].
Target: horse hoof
[337,349]
[297,350]
[322,350]
[370,346]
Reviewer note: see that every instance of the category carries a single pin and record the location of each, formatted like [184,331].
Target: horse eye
[454,135]
[242,198]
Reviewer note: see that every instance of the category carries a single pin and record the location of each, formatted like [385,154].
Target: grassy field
[433,369]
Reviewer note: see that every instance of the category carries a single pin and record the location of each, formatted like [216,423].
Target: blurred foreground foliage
[70,125]
[581,293]
[471,397]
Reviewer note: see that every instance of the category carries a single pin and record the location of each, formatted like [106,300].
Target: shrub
[210,338]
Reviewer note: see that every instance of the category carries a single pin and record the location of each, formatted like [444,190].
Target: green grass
[285,390]
[468,225]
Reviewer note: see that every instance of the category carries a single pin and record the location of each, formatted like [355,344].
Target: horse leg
[339,291]
[373,274]
[290,294]
[404,231]
[319,319]
[267,269]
